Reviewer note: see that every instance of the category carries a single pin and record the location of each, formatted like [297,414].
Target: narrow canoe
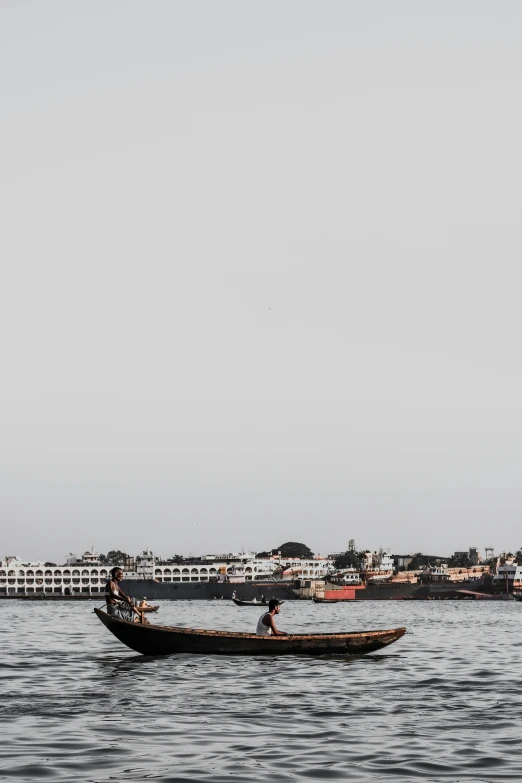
[164,640]
[239,602]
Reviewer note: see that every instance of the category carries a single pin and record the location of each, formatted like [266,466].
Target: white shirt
[262,629]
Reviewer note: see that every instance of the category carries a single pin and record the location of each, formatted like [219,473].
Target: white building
[377,565]
[219,567]
[25,578]
[86,575]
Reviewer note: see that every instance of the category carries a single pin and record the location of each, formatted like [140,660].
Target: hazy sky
[260,275]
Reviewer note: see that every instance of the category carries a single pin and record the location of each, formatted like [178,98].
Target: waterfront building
[238,567]
[86,575]
[401,562]
[474,555]
[78,575]
[377,565]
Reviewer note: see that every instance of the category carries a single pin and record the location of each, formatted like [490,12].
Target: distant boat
[164,640]
[239,602]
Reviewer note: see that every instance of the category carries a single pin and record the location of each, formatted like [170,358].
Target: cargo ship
[204,591]
[376,581]
[332,590]
[373,581]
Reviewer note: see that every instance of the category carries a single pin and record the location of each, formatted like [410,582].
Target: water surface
[441,704]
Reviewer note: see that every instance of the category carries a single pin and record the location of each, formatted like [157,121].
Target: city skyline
[482,551]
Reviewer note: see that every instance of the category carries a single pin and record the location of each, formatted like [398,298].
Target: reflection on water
[439,705]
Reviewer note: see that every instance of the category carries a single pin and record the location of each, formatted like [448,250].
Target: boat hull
[202,591]
[164,640]
[390,591]
[197,591]
[385,592]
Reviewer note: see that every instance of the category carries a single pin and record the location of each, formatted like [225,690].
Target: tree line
[290,549]
[294,549]
[418,562]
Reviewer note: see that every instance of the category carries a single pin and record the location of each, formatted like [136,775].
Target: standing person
[114,595]
[266,624]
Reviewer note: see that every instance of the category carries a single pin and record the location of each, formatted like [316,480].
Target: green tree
[419,561]
[290,549]
[114,557]
[295,549]
[347,560]
[461,561]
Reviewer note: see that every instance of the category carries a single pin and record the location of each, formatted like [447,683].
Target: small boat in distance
[164,640]
[239,602]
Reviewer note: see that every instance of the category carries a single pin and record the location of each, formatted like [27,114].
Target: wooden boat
[239,602]
[164,640]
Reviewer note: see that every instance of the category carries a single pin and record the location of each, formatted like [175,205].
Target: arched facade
[90,577]
[24,580]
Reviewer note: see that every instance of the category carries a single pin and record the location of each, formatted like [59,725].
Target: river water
[441,704]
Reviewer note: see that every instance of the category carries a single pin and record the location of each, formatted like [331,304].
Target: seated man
[114,595]
[266,625]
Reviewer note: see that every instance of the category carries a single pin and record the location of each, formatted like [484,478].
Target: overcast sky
[261,275]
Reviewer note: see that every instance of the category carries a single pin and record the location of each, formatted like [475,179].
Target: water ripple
[438,706]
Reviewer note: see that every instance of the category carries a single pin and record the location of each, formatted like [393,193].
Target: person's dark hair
[273,603]
[115,570]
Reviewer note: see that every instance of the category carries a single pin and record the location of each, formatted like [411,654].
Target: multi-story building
[377,565]
[474,555]
[87,575]
[78,575]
